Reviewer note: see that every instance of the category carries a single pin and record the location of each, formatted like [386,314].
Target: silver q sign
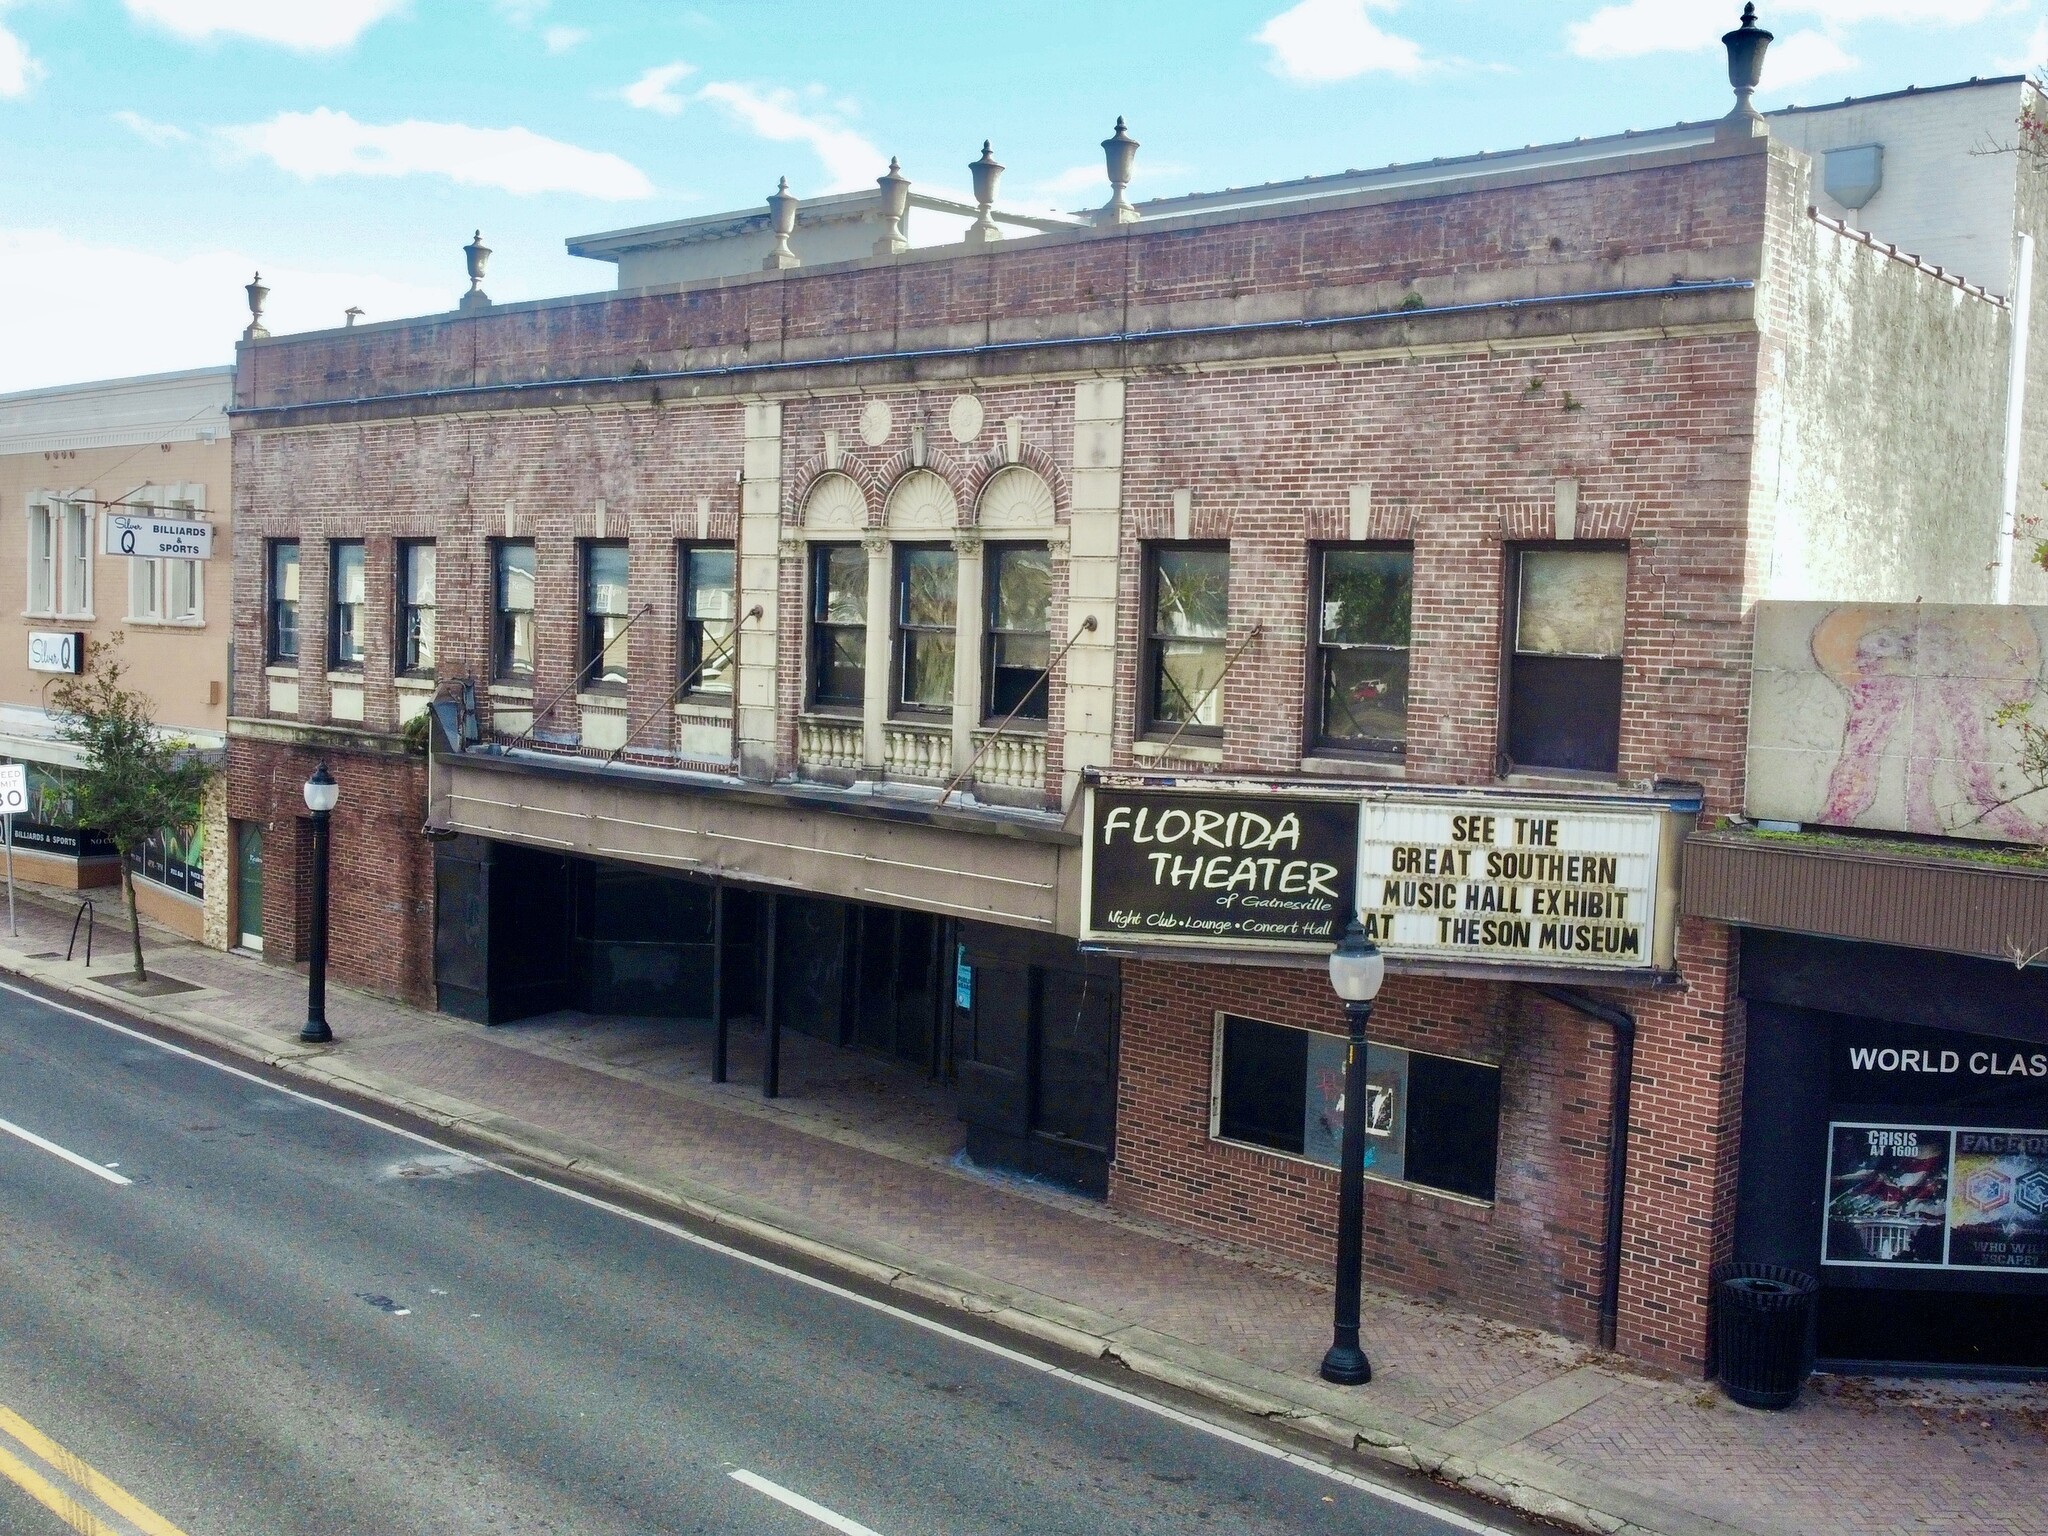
[158,538]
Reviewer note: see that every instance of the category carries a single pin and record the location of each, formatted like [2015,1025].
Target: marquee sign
[1475,880]
[1517,880]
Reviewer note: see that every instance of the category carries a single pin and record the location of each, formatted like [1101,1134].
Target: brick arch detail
[899,466]
[987,466]
[814,469]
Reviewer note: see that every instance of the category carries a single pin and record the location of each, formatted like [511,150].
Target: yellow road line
[60,1504]
[81,1472]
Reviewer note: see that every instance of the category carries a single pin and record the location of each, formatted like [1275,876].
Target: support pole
[771,1066]
[12,926]
[720,1034]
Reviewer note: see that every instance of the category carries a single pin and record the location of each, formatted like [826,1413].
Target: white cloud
[1805,55]
[311,26]
[1632,28]
[2033,53]
[323,142]
[18,67]
[655,91]
[1319,41]
[849,160]
[562,39]
[149,131]
[152,313]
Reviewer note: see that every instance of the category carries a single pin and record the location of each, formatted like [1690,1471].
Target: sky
[155,153]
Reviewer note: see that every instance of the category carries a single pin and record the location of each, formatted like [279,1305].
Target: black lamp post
[1356,970]
[321,794]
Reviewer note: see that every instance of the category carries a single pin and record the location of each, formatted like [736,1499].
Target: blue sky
[154,152]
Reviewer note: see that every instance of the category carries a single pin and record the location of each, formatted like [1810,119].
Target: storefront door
[249,884]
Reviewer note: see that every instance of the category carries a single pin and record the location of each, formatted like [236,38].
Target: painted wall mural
[1899,717]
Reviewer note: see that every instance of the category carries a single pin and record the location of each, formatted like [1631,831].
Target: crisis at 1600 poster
[1949,1196]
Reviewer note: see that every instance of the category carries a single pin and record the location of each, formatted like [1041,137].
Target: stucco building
[72,458]
[918,650]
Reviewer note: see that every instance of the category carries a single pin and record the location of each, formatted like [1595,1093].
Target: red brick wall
[380,871]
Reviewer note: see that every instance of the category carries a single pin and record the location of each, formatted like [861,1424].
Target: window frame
[42,516]
[1511,623]
[1216,1138]
[818,629]
[1037,710]
[504,667]
[589,650]
[274,653]
[1150,725]
[335,661]
[690,631]
[902,633]
[404,650]
[1316,737]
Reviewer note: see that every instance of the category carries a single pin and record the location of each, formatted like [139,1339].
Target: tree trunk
[134,917]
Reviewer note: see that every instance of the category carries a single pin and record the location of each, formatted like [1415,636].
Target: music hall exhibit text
[1264,870]
[1552,886]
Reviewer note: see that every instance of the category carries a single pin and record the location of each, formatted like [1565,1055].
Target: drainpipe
[2015,411]
[1624,1027]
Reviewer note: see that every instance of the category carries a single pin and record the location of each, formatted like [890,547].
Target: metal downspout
[2015,412]
[1624,1026]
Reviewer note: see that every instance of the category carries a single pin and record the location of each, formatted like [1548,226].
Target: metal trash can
[1763,1316]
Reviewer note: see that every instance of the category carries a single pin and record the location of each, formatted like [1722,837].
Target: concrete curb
[1497,1473]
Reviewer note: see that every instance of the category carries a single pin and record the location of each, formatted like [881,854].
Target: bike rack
[85,915]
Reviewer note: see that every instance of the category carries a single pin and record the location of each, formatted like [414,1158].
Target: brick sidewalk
[858,1164]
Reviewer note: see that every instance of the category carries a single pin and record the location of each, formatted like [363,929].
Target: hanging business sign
[1233,866]
[1498,879]
[157,538]
[56,650]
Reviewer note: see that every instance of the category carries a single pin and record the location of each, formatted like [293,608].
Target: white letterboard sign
[1524,883]
[158,538]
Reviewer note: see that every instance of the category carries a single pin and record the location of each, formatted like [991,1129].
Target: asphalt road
[293,1321]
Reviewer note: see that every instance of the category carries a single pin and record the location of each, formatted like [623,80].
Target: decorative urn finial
[257,294]
[986,173]
[1118,151]
[895,204]
[477,255]
[1746,47]
[782,222]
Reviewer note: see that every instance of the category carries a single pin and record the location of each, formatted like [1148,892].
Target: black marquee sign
[1226,867]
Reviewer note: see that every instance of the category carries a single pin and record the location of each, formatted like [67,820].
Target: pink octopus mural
[1926,684]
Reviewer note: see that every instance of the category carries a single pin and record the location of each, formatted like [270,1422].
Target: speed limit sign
[13,789]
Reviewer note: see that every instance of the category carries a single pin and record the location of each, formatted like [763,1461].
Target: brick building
[790,633]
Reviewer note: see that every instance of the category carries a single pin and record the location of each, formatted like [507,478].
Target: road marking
[70,1157]
[79,1471]
[1371,1487]
[802,1505]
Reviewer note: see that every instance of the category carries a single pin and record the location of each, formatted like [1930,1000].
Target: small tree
[133,781]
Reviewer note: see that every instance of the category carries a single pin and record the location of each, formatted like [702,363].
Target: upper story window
[512,610]
[1564,662]
[282,603]
[345,583]
[60,558]
[1019,630]
[416,569]
[1187,619]
[1361,648]
[839,625]
[167,591]
[704,574]
[927,618]
[605,612]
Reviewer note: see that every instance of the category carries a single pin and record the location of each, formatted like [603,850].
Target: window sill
[348,677]
[1558,778]
[166,624]
[416,682]
[837,714]
[1023,725]
[922,720]
[1186,749]
[719,708]
[517,692]
[607,698]
[1354,767]
[274,669]
[59,618]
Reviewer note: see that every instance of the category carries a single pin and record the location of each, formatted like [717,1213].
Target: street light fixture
[1357,969]
[321,795]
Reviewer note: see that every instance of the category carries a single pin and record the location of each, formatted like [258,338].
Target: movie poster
[1887,1195]
[1998,1202]
[1386,1094]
